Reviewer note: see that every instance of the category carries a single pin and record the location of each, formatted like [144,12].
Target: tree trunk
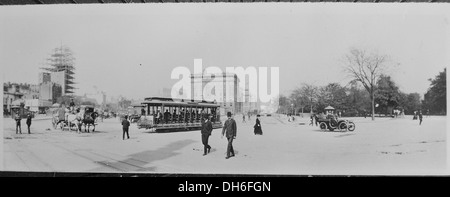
[372,97]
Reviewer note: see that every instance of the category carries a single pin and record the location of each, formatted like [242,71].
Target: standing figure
[158,117]
[257,127]
[206,132]
[230,129]
[420,117]
[166,116]
[312,120]
[29,123]
[125,127]
[243,118]
[18,119]
[72,105]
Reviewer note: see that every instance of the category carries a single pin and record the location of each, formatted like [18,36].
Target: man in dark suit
[206,132]
[29,123]
[420,117]
[125,127]
[166,116]
[230,129]
[18,119]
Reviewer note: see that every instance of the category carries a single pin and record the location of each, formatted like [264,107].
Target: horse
[88,120]
[73,120]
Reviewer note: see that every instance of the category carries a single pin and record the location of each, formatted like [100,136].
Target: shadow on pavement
[138,161]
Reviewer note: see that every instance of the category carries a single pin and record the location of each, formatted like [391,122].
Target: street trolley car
[167,114]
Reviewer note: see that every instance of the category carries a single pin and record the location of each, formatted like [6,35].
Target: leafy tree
[387,94]
[358,100]
[304,97]
[436,97]
[410,102]
[334,95]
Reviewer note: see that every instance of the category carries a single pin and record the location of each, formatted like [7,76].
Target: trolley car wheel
[351,126]
[323,126]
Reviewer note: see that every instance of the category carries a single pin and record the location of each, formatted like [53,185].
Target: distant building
[249,106]
[44,77]
[50,91]
[61,68]
[11,93]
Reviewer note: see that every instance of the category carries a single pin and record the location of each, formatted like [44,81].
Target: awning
[329,108]
[18,102]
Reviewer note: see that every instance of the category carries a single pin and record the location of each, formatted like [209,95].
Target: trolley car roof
[157,101]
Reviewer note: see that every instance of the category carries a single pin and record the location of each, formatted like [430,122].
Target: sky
[131,50]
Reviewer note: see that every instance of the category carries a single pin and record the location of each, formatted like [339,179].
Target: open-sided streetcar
[167,114]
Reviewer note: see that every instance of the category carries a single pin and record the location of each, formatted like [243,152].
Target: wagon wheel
[323,126]
[351,126]
[343,126]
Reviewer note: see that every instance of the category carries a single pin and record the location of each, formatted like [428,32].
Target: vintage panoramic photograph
[225,89]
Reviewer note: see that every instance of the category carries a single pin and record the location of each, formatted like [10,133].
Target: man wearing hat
[230,127]
[125,127]
[206,132]
[29,122]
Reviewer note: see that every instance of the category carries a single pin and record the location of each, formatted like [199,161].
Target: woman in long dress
[257,127]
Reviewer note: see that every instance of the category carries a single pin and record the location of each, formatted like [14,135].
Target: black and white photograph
[339,89]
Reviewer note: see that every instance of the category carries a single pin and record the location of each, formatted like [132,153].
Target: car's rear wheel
[323,126]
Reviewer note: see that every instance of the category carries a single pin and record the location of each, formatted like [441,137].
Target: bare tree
[365,67]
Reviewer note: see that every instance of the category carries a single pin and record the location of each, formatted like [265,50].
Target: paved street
[385,146]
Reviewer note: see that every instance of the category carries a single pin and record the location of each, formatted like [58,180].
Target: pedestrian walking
[125,127]
[243,118]
[229,129]
[257,128]
[420,117]
[206,132]
[29,123]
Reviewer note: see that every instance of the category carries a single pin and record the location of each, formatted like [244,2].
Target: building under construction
[61,69]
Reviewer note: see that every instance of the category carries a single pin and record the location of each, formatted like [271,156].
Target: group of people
[183,116]
[229,130]
[18,120]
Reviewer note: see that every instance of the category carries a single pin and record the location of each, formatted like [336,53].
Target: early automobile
[331,122]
